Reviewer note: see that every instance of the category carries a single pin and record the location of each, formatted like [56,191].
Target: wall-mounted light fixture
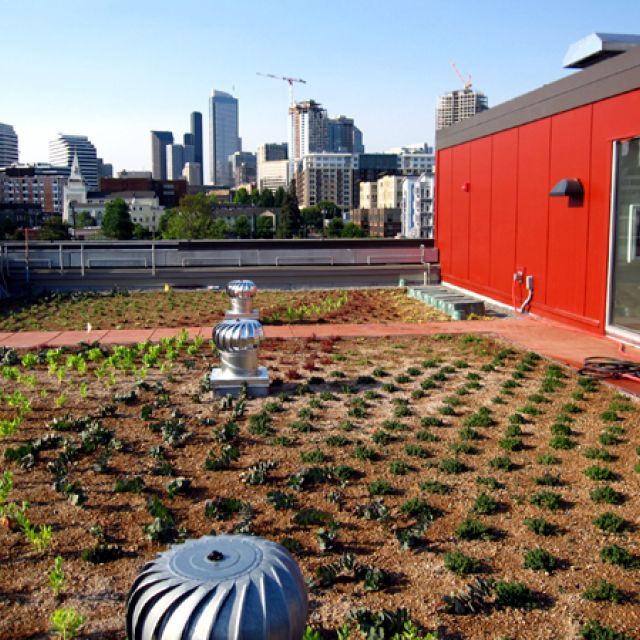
[571,188]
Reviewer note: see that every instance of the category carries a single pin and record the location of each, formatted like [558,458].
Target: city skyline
[390,91]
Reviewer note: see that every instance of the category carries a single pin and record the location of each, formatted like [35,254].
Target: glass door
[624,287]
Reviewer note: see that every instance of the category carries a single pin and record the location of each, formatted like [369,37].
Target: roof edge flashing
[597,47]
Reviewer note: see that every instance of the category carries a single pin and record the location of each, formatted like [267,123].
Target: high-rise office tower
[8,145]
[175,161]
[224,140]
[159,142]
[343,136]
[196,140]
[307,129]
[459,105]
[63,149]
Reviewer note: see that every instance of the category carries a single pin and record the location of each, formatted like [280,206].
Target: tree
[311,217]
[328,209]
[266,198]
[278,198]
[7,227]
[335,228]
[352,230]
[289,218]
[255,197]
[264,227]
[116,222]
[241,196]
[83,219]
[192,220]
[54,229]
[140,232]
[241,227]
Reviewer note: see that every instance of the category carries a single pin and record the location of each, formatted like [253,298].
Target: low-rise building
[34,185]
[417,206]
[326,176]
[389,192]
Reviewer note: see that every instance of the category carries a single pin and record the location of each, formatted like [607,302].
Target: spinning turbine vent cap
[241,289]
[243,334]
[219,587]
[241,293]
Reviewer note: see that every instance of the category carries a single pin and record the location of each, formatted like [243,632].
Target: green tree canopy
[335,228]
[54,229]
[352,230]
[242,227]
[116,222]
[192,220]
[264,227]
[140,232]
[255,197]
[241,196]
[329,209]
[278,197]
[266,198]
[289,218]
[312,217]
[83,219]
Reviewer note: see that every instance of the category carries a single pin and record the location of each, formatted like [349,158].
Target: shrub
[489,482]
[503,463]
[431,421]
[606,494]
[427,436]
[447,410]
[382,438]
[539,560]
[549,480]
[66,622]
[514,594]
[560,429]
[607,438]
[547,459]
[461,564]
[594,453]
[420,509]
[484,505]
[416,450]
[511,443]
[468,433]
[611,522]
[540,526]
[471,529]
[381,488]
[362,453]
[311,517]
[434,486]
[336,441]
[452,466]
[610,416]
[133,484]
[463,447]
[399,467]
[613,554]
[593,630]
[547,499]
[596,472]
[313,456]
[603,591]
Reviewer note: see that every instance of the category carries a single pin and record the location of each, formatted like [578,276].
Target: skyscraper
[196,140]
[159,142]
[224,140]
[343,136]
[307,129]
[175,161]
[63,149]
[8,145]
[459,105]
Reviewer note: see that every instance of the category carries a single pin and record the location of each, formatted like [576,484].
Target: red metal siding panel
[613,119]
[480,211]
[504,189]
[567,238]
[460,212]
[533,205]
[443,214]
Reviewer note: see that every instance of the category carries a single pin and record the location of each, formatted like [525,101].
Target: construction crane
[465,83]
[286,79]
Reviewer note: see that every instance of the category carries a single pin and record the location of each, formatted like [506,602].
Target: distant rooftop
[596,47]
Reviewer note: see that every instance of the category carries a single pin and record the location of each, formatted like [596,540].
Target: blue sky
[115,69]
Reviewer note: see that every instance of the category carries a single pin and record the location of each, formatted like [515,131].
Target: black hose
[603,367]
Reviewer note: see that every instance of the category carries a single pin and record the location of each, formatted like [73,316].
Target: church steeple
[76,175]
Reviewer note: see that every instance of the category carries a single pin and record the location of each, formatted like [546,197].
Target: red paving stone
[74,337]
[555,341]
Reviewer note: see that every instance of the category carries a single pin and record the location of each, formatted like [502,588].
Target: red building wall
[495,217]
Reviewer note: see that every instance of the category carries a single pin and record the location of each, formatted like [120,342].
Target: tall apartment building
[65,147]
[34,185]
[224,139]
[8,145]
[417,206]
[343,136]
[243,167]
[459,105]
[389,192]
[414,160]
[308,130]
[326,176]
[272,166]
[159,142]
[196,141]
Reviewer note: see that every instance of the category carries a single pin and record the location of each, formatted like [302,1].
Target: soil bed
[389,416]
[151,309]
